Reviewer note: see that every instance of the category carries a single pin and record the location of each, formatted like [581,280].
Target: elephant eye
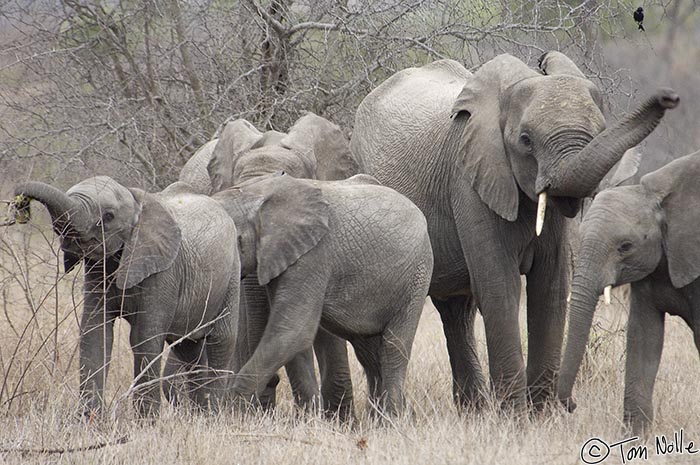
[625,247]
[106,218]
[526,140]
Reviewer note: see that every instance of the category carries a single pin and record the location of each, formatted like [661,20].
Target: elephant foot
[267,400]
[468,398]
[344,414]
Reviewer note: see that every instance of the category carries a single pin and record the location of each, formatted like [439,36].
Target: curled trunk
[579,174]
[63,209]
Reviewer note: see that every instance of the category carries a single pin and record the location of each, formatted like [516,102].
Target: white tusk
[606,294]
[541,208]
[568,298]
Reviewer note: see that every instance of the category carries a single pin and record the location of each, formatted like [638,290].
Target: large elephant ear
[677,187]
[292,220]
[477,127]
[153,245]
[235,139]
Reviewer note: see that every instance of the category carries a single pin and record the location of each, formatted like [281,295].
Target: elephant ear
[624,170]
[153,245]
[677,187]
[334,159]
[236,138]
[476,133]
[292,220]
[552,63]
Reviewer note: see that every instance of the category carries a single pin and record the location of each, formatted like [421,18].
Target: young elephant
[168,263]
[646,235]
[351,257]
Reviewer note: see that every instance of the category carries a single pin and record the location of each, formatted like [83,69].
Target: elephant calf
[349,256]
[647,235]
[168,263]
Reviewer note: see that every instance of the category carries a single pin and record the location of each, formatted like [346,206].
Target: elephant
[351,257]
[643,234]
[484,156]
[313,148]
[167,263]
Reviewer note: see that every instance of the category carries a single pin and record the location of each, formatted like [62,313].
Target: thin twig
[66,450]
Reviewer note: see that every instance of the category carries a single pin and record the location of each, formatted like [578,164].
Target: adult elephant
[168,263]
[475,152]
[644,234]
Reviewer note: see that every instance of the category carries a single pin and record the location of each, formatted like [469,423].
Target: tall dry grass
[39,313]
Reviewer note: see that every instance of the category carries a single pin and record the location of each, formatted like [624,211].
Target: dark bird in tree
[639,17]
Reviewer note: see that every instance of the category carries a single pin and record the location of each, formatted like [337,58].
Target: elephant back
[409,112]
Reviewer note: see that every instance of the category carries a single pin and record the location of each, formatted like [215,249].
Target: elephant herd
[274,248]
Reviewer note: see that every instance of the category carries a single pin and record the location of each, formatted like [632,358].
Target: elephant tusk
[606,294]
[568,298]
[541,208]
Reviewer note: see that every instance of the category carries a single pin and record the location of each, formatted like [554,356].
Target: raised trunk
[579,174]
[62,208]
[584,298]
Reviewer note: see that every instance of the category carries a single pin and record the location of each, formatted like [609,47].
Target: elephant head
[236,138]
[542,134]
[314,148]
[100,219]
[628,232]
[279,219]
[327,145]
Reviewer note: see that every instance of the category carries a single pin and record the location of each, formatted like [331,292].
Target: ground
[39,375]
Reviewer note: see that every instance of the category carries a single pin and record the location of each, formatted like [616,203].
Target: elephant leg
[96,337]
[254,309]
[212,388]
[367,352]
[147,344]
[645,340]
[336,383]
[546,318]
[295,315]
[395,352]
[458,314]
[185,357]
[506,367]
[302,377]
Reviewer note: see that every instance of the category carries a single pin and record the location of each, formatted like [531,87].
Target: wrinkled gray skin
[349,256]
[235,138]
[313,148]
[473,151]
[644,234]
[167,263]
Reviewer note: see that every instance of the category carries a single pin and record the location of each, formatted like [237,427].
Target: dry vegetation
[38,402]
[54,126]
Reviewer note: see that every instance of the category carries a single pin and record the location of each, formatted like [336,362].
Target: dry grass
[38,362]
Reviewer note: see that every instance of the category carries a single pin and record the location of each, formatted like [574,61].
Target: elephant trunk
[586,287]
[579,174]
[63,210]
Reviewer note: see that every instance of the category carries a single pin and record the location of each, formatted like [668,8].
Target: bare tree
[133,88]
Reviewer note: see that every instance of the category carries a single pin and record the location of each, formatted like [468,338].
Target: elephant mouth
[568,206]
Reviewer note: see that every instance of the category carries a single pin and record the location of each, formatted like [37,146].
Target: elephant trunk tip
[667,98]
